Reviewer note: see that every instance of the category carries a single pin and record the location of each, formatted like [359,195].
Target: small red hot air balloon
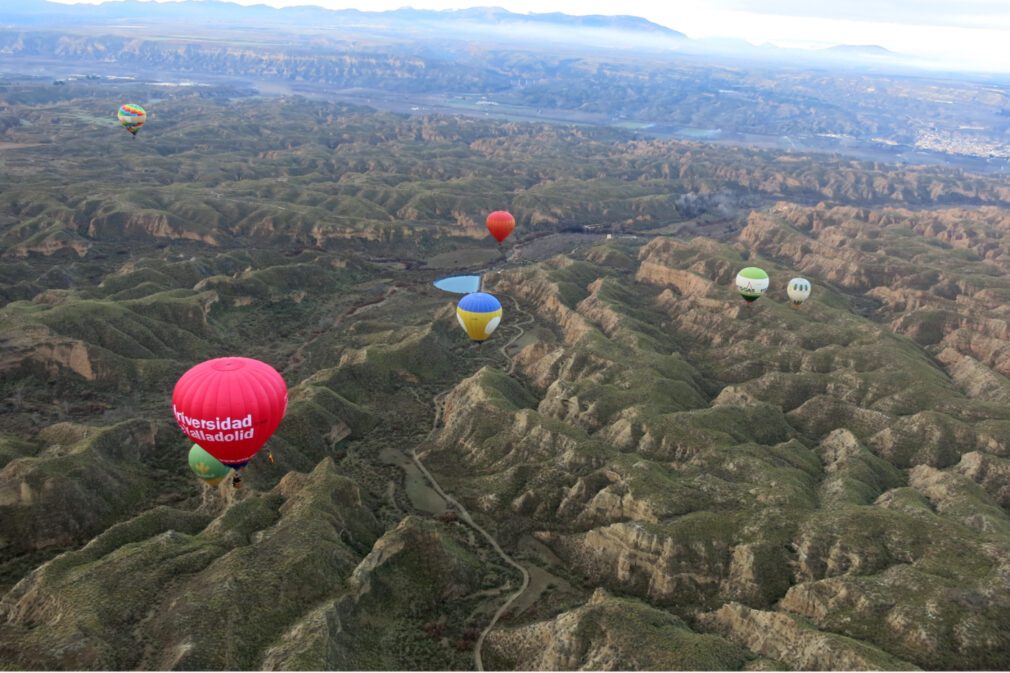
[230,407]
[500,223]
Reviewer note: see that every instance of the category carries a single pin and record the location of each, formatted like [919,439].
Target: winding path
[464,515]
[522,331]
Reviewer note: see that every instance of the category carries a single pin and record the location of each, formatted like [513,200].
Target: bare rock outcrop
[610,633]
[785,638]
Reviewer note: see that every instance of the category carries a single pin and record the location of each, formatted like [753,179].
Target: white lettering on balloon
[196,428]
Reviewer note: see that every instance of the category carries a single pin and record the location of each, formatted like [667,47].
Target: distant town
[960,143]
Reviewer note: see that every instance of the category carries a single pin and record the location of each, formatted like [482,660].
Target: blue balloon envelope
[459,284]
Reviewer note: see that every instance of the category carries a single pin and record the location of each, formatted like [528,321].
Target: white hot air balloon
[798,290]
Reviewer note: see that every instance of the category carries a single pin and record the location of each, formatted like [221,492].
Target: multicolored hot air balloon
[479,314]
[751,283]
[206,466]
[230,407]
[132,116]
[500,223]
[798,290]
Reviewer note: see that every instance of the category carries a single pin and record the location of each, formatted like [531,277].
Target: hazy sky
[960,33]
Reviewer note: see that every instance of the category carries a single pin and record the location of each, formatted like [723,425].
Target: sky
[972,34]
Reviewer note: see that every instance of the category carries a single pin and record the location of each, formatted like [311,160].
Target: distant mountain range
[490,25]
[40,11]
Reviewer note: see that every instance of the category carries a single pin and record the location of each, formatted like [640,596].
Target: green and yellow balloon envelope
[479,314]
[206,466]
[751,283]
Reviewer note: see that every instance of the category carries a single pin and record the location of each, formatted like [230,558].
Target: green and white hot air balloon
[751,283]
[798,291]
[206,466]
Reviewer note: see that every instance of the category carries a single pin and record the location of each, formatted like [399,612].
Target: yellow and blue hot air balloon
[479,314]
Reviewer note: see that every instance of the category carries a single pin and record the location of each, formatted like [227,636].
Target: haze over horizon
[973,35]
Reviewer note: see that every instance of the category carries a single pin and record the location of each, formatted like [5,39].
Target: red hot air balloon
[230,407]
[500,223]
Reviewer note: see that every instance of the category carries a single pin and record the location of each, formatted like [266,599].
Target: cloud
[950,13]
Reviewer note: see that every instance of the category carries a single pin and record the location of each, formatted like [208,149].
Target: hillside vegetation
[687,481]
